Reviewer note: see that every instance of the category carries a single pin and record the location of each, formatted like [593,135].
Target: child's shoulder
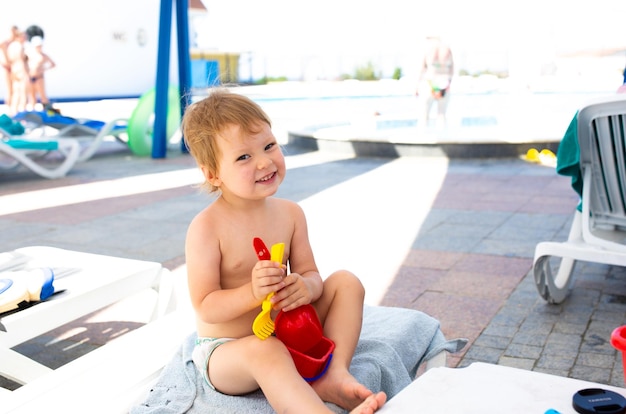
[288,210]
[208,213]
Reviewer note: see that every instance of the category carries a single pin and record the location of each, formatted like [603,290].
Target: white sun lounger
[120,375]
[598,232]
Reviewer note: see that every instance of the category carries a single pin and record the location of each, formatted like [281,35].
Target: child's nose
[264,162]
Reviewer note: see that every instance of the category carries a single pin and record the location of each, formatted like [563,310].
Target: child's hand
[267,277]
[295,293]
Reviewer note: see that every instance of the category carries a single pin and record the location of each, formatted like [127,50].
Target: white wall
[102,48]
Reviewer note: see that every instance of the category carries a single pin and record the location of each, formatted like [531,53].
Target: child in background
[231,140]
[38,63]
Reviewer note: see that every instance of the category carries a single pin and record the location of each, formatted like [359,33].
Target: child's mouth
[267,177]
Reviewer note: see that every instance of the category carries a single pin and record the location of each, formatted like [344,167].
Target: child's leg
[32,98]
[341,312]
[41,91]
[244,365]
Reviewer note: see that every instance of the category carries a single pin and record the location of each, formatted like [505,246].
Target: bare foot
[371,404]
[339,387]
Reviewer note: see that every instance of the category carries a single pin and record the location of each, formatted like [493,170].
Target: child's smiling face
[251,164]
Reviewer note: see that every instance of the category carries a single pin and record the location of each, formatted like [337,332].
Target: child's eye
[269,146]
[243,157]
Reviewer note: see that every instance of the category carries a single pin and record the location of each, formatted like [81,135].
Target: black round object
[597,400]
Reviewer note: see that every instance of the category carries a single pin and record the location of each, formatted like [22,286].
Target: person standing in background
[19,74]
[4,62]
[38,63]
[434,80]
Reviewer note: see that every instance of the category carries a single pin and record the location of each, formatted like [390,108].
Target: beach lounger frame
[90,133]
[598,233]
[30,152]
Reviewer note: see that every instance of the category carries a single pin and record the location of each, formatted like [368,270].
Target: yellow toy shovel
[263,325]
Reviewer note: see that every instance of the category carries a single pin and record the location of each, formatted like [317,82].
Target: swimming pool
[391,115]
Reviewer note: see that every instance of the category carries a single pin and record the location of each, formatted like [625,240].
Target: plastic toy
[263,325]
[300,329]
[618,340]
[25,286]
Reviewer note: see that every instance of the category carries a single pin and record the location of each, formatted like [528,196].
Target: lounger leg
[554,287]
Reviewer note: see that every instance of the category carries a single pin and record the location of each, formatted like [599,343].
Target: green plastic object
[141,123]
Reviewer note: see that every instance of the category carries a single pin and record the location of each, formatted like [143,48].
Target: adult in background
[435,79]
[4,62]
[18,63]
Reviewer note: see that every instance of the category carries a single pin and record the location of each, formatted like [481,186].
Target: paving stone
[596,360]
[556,362]
[593,374]
[489,341]
[484,354]
[530,338]
[521,363]
[523,351]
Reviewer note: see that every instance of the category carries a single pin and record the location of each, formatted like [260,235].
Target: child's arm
[304,283]
[213,302]
[48,63]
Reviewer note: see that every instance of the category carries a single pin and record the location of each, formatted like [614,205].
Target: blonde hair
[206,119]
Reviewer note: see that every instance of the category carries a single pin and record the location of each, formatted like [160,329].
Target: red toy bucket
[301,331]
[618,340]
